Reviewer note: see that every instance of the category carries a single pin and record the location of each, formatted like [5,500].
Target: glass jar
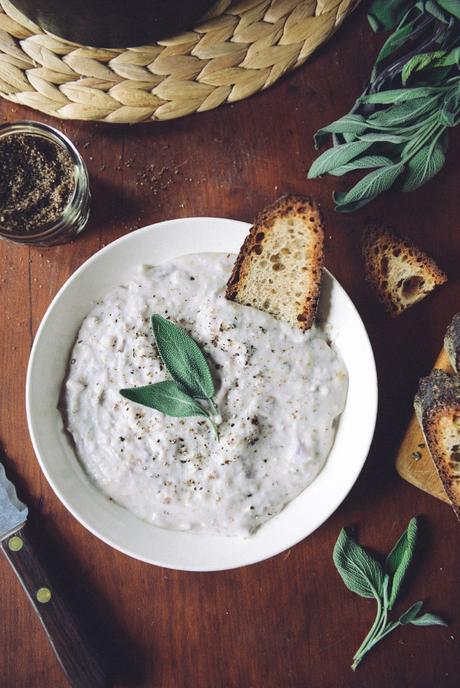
[75,215]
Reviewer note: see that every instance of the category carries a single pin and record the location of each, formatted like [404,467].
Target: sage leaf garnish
[192,380]
[166,397]
[410,102]
[365,576]
[183,358]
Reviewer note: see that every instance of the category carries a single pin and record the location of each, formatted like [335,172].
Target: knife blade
[82,664]
[13,513]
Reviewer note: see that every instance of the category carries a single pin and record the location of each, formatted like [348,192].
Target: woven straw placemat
[241,47]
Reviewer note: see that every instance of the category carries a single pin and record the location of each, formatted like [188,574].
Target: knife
[70,641]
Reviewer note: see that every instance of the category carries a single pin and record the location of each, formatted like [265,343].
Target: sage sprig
[192,379]
[398,127]
[365,576]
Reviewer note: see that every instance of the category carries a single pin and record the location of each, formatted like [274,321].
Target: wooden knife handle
[67,635]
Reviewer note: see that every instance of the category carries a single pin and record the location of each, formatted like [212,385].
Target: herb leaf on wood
[360,572]
[365,576]
[371,185]
[428,620]
[405,111]
[424,165]
[334,157]
[399,559]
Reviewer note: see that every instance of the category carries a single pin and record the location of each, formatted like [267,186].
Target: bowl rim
[372,404]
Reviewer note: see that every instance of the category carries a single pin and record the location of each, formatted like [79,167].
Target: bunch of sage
[192,382]
[398,126]
[365,576]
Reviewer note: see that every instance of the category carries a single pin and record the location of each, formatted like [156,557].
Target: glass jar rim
[81,178]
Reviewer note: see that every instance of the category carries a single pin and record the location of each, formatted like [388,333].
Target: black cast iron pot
[113,23]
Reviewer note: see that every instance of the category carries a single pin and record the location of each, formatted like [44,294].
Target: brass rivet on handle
[15,543]
[43,595]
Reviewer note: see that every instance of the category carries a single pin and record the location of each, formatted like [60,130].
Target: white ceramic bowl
[112,523]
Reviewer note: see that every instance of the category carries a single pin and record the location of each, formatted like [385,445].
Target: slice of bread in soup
[278,269]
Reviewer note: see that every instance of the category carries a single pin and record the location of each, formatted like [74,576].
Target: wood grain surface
[288,622]
[67,630]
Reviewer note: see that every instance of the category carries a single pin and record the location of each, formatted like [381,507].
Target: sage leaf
[384,137]
[366,162]
[369,187]
[413,95]
[385,590]
[393,43]
[166,397]
[410,614]
[183,358]
[428,620]
[337,156]
[450,107]
[430,61]
[383,16]
[360,572]
[423,166]
[422,61]
[363,575]
[451,6]
[399,115]
[399,559]
[349,124]
[348,137]
[433,8]
[398,95]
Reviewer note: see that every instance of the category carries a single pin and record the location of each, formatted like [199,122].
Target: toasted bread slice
[437,405]
[452,342]
[278,269]
[400,273]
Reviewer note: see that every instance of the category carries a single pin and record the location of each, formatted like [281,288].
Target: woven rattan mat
[241,47]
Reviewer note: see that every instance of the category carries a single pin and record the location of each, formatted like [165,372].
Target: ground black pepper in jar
[44,191]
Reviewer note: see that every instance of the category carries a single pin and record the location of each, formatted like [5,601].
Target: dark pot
[113,23]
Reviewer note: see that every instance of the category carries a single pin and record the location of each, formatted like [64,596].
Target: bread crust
[438,396]
[452,342]
[287,205]
[381,246]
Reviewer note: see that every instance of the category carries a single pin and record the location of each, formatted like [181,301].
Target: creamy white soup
[279,392]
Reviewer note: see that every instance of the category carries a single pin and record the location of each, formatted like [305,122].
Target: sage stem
[370,636]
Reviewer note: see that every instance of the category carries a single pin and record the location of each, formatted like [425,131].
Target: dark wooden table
[288,622]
